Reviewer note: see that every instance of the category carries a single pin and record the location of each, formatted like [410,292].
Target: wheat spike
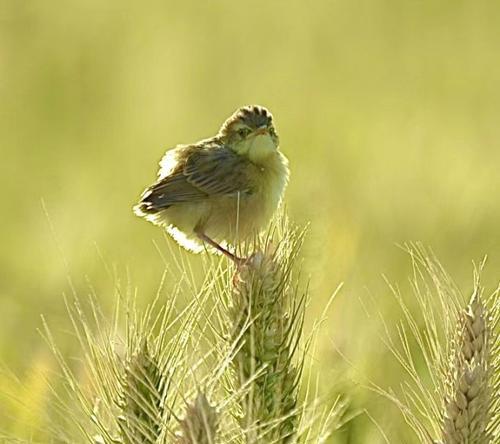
[267,318]
[142,399]
[467,402]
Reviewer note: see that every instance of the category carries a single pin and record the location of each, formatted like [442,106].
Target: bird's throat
[261,147]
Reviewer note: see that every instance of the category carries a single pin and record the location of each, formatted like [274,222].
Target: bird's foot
[239,261]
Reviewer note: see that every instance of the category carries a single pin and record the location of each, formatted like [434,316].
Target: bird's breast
[269,185]
[244,215]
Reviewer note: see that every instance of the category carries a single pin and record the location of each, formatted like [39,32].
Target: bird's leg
[237,260]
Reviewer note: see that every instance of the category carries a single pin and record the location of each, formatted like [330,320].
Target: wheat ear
[266,314]
[142,399]
[467,403]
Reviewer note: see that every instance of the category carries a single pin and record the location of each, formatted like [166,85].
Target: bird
[223,190]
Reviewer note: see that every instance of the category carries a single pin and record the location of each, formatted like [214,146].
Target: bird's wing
[218,172]
[199,173]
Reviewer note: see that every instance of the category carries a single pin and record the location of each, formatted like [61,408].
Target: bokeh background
[388,111]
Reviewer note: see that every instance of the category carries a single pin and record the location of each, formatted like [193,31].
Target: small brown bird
[220,190]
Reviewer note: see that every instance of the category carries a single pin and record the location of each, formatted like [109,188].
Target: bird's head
[250,131]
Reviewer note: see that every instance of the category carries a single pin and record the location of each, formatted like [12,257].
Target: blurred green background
[388,111]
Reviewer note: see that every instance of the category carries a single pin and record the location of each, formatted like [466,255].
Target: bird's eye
[243,132]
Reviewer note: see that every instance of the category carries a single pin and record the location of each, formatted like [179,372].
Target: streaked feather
[219,171]
[200,172]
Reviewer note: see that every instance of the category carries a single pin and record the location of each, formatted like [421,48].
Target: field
[387,110]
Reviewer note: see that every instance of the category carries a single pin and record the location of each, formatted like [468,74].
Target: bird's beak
[260,131]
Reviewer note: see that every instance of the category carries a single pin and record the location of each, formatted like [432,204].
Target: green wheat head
[265,314]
